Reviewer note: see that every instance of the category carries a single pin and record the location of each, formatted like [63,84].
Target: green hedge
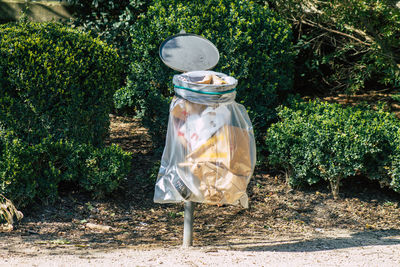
[316,140]
[57,87]
[29,172]
[57,82]
[254,45]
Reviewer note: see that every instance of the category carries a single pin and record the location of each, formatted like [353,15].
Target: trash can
[210,154]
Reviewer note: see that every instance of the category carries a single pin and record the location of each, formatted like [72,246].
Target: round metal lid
[188,52]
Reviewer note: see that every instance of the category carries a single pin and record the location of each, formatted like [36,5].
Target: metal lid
[189,52]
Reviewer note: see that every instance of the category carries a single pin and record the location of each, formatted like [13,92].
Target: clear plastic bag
[210,150]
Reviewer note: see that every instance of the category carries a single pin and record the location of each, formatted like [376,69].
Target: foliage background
[316,141]
[108,20]
[255,47]
[56,95]
[340,46]
[344,45]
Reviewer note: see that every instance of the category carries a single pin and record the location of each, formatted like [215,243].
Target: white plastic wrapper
[210,152]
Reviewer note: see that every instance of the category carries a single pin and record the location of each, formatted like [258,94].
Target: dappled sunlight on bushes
[57,86]
[317,140]
[254,44]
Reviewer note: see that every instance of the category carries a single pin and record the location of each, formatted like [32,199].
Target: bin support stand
[188,224]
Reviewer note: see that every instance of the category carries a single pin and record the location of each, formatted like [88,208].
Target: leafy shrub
[104,169]
[57,87]
[108,19]
[57,82]
[396,97]
[345,46]
[99,12]
[255,48]
[29,172]
[317,140]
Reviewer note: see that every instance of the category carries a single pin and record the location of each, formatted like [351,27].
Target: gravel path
[335,247]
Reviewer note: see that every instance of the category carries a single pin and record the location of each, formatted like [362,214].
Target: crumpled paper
[209,155]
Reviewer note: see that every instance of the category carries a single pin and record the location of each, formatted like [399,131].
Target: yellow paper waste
[222,165]
[212,79]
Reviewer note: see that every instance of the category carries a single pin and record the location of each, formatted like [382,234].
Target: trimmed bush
[56,82]
[316,140]
[254,45]
[29,172]
[104,169]
[57,87]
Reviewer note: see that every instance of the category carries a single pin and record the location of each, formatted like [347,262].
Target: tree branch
[312,24]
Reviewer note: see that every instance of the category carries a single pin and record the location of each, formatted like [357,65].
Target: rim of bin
[188,52]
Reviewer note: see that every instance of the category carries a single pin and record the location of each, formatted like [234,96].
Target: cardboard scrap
[223,165]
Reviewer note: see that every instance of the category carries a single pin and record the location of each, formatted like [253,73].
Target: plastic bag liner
[210,150]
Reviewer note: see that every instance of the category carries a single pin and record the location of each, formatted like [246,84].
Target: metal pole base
[188,224]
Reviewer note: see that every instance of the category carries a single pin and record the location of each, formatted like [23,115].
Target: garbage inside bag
[222,165]
[197,128]
[212,79]
[209,156]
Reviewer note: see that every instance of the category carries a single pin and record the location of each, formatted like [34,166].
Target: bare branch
[334,31]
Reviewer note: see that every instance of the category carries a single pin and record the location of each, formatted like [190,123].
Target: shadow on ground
[355,240]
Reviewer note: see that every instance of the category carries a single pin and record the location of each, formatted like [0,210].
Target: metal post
[188,224]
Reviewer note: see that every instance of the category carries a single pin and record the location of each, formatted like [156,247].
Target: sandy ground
[335,247]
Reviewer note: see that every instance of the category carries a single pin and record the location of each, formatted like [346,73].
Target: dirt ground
[282,227]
